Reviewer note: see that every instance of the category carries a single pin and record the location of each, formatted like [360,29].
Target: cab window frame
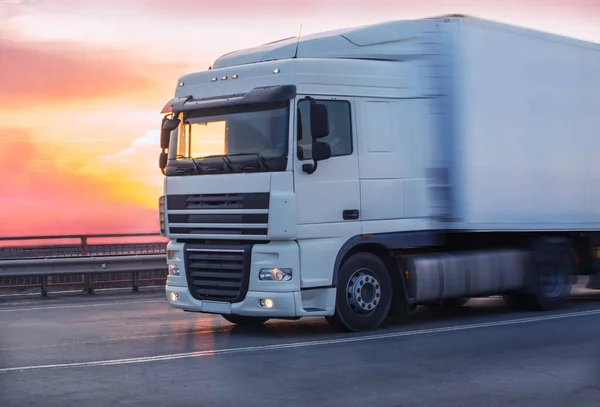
[342,121]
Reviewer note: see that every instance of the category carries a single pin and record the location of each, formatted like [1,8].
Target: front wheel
[243,320]
[363,295]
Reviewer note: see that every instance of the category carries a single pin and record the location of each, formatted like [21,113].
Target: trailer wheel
[549,279]
[244,320]
[363,295]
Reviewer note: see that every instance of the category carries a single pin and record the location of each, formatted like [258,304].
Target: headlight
[275,274]
[174,270]
[161,214]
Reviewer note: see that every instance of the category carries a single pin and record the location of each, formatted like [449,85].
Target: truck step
[594,282]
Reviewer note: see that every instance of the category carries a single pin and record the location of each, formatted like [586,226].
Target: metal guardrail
[27,266]
[82,247]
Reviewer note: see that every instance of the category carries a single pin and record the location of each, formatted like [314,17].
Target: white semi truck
[360,173]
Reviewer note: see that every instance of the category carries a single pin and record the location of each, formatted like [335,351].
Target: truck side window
[340,128]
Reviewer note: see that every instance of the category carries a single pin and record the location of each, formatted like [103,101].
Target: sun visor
[269,94]
[173,104]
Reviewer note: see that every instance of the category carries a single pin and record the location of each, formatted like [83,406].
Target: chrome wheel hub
[363,292]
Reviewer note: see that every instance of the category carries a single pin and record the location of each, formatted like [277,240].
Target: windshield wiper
[198,169]
[222,157]
[227,162]
[258,155]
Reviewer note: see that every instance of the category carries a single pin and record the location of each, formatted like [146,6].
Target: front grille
[255,200]
[218,273]
[220,216]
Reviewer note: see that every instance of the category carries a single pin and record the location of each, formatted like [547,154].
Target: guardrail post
[135,281]
[84,245]
[88,283]
[44,285]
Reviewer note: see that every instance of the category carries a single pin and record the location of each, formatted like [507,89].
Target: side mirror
[321,151]
[162,161]
[319,121]
[168,125]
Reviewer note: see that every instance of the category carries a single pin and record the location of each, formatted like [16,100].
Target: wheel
[244,320]
[363,295]
[549,280]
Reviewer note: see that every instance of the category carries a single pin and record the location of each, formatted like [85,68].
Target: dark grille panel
[218,273]
[221,218]
[219,231]
[219,201]
[196,215]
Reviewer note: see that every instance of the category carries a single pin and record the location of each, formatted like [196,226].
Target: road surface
[133,350]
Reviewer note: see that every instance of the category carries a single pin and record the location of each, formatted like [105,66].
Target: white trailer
[359,173]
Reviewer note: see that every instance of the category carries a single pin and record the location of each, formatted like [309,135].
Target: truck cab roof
[378,41]
[388,41]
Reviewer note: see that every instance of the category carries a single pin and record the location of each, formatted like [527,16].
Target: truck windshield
[231,139]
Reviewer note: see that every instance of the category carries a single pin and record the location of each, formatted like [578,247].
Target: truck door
[328,200]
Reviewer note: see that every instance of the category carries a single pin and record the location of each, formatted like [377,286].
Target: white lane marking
[251,349]
[98,304]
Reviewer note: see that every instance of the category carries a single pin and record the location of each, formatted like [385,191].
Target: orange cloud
[135,166]
[81,103]
[50,200]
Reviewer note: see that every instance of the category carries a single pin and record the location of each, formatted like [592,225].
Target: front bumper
[288,300]
[284,303]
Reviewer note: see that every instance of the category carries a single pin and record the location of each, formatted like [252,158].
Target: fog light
[174,297]
[275,274]
[267,303]
[173,270]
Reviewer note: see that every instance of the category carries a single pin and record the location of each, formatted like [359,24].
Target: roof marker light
[234,76]
[224,78]
[214,79]
[276,70]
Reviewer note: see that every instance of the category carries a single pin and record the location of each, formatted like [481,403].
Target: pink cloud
[36,73]
[205,10]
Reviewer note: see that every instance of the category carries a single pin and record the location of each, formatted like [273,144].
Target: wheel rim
[553,280]
[363,292]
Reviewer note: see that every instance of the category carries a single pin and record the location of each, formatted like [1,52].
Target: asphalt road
[130,350]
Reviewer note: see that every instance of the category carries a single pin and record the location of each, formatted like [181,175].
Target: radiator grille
[219,216]
[218,274]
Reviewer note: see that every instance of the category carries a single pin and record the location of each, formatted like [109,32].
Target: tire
[549,280]
[364,294]
[243,320]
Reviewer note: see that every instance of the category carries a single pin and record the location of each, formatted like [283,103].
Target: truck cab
[266,177]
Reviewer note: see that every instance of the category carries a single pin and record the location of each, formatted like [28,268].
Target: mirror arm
[163,165]
[310,168]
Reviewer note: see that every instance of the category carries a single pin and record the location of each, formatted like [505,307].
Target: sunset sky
[82,83]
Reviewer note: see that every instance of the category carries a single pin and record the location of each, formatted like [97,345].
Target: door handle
[350,214]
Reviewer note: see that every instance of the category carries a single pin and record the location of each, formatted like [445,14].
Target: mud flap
[594,281]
